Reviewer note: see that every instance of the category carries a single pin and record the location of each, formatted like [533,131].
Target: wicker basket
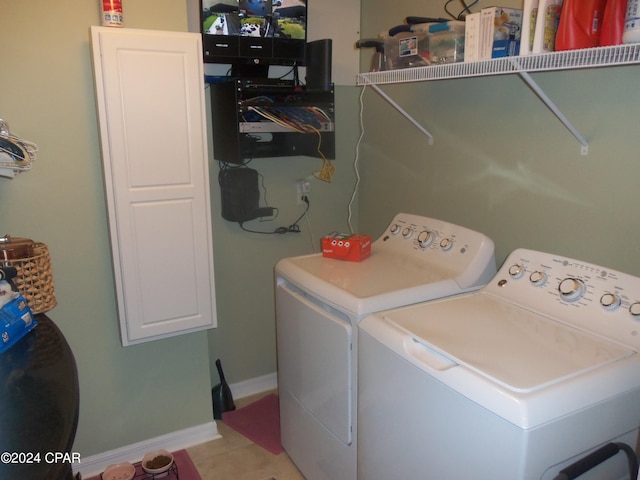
[35,279]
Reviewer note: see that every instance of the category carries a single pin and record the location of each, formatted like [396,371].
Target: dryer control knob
[634,309]
[610,301]
[516,271]
[407,232]
[425,238]
[538,278]
[446,244]
[571,289]
[395,229]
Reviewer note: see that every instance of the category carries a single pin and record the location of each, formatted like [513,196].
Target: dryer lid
[516,348]
[381,273]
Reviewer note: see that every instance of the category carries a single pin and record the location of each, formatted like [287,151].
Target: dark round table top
[39,402]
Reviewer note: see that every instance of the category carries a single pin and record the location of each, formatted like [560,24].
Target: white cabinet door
[150,98]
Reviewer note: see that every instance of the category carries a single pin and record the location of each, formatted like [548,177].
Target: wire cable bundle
[15,153]
[300,119]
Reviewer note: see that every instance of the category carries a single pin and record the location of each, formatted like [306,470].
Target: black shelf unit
[240,132]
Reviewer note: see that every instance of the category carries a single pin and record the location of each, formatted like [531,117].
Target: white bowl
[119,471]
[149,467]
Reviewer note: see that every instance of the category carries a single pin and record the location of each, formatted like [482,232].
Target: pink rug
[185,468]
[259,422]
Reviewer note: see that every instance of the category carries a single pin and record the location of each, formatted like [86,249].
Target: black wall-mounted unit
[271,118]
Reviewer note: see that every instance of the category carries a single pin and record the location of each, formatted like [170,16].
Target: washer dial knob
[610,301]
[516,271]
[395,229]
[634,309]
[407,232]
[425,238]
[571,289]
[446,244]
[538,278]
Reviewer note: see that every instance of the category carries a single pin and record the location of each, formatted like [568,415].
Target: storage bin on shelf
[34,279]
[446,42]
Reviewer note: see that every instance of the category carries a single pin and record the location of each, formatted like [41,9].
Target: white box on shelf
[500,32]
[472,37]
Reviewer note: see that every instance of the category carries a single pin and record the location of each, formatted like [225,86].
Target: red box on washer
[345,246]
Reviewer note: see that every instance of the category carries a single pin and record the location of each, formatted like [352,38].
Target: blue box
[16,320]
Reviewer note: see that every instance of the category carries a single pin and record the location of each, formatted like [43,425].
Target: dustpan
[221,395]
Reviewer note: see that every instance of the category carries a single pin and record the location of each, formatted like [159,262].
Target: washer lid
[518,349]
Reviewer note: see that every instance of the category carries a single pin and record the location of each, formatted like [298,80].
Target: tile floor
[235,457]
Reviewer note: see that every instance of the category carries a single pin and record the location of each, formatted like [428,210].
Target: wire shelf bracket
[584,149]
[403,112]
[616,55]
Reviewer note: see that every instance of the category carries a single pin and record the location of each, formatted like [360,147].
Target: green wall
[502,163]
[139,392]
[244,262]
[46,91]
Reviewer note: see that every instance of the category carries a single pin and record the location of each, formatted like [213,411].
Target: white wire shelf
[628,54]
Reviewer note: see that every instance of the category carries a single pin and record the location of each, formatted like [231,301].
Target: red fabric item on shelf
[580,24]
[613,23]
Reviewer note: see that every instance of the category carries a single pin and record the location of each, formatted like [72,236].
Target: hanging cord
[325,173]
[355,162]
[311,239]
[15,153]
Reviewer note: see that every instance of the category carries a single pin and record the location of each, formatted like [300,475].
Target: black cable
[293,228]
[466,8]
[293,71]
[264,195]
[446,9]
[224,165]
[296,75]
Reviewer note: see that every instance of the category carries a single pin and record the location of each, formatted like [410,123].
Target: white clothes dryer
[319,302]
[514,381]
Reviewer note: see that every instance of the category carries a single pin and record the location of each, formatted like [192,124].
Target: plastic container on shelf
[529,16]
[446,42]
[406,49]
[546,26]
[613,22]
[580,24]
[632,22]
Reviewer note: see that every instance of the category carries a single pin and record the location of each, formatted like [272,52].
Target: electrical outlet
[303,187]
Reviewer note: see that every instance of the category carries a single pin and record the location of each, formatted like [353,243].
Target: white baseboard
[96,464]
[254,385]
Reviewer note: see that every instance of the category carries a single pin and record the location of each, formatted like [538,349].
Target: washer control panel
[588,296]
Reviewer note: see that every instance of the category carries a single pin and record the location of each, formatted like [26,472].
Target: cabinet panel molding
[151,112]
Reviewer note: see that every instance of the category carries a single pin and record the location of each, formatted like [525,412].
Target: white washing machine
[319,302]
[512,382]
